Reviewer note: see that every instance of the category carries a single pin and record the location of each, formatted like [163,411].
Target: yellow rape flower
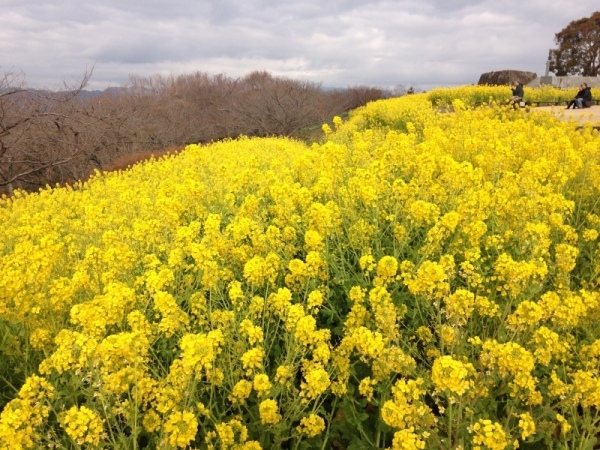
[316,382]
[407,439]
[565,426]
[527,425]
[357,294]
[280,301]
[241,391]
[586,385]
[451,375]
[269,412]
[489,435]
[406,407]
[83,425]
[261,384]
[313,240]
[305,330]
[201,350]
[151,421]
[40,338]
[283,374]
[257,305]
[430,280]
[459,306]
[22,415]
[447,334]
[311,425]
[252,359]
[549,344]
[366,388]
[367,263]
[314,301]
[369,343]
[180,428]
[253,333]
[387,267]
[527,314]
[235,292]
[590,235]
[424,334]
[566,256]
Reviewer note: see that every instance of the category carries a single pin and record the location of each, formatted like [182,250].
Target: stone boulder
[504,77]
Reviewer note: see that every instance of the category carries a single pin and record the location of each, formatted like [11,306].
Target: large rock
[504,77]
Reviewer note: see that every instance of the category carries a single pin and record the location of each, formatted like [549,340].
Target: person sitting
[575,102]
[517,93]
[586,100]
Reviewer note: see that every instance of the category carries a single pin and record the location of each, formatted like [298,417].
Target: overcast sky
[338,43]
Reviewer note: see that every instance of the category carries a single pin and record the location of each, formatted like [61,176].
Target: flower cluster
[420,278]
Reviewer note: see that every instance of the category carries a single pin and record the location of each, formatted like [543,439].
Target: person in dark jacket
[574,102]
[517,93]
[586,100]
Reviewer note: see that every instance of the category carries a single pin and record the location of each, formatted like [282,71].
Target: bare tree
[40,131]
[267,105]
[49,137]
[198,107]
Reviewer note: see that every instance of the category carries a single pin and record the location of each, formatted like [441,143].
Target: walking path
[591,114]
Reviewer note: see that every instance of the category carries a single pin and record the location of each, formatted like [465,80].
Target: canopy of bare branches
[62,136]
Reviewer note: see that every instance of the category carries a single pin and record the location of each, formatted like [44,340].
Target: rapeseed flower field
[420,279]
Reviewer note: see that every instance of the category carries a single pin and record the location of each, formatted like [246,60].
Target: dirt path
[591,114]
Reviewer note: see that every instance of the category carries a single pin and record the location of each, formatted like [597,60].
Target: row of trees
[62,136]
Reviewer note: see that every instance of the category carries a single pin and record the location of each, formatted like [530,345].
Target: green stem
[362,434]
[450,419]
[458,421]
[329,423]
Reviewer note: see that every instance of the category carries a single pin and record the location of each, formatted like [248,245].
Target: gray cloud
[337,43]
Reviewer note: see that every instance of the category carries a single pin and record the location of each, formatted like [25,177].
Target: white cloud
[337,43]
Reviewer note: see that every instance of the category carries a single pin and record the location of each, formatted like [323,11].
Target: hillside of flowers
[419,279]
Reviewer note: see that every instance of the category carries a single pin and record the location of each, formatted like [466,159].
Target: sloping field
[416,280]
